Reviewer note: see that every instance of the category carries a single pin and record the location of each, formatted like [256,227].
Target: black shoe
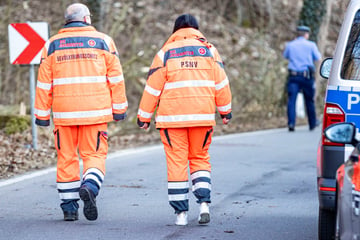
[71,216]
[90,209]
[291,128]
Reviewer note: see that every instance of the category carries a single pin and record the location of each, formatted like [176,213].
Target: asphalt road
[263,187]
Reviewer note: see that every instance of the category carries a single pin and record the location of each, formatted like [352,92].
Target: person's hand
[225,121]
[145,126]
[226,118]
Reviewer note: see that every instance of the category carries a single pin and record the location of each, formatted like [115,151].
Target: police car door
[344,81]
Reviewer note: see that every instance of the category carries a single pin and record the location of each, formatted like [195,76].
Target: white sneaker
[181,219]
[204,216]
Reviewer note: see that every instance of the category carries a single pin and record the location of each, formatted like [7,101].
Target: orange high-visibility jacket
[187,82]
[80,78]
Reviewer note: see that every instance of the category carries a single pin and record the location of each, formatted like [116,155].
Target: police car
[342,103]
[347,183]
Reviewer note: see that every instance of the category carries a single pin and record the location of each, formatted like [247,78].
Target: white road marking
[131,151]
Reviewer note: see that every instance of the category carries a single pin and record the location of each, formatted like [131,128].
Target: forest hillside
[250,36]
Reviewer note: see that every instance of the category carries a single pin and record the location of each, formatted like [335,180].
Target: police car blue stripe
[348,101]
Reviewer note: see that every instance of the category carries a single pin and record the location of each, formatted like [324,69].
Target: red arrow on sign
[35,43]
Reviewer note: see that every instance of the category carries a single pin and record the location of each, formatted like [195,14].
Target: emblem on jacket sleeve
[202,51]
[91,43]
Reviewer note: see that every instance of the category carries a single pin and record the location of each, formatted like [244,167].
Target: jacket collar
[185,33]
[77,26]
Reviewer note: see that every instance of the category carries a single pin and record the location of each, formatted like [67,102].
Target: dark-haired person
[301,54]
[80,79]
[186,83]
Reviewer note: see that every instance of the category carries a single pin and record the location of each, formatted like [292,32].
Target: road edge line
[125,152]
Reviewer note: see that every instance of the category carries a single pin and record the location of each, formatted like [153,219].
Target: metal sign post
[32,102]
[25,43]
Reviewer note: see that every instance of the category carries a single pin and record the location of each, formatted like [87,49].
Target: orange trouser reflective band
[91,142]
[187,147]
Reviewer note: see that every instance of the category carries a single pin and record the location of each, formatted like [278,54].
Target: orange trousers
[187,148]
[88,141]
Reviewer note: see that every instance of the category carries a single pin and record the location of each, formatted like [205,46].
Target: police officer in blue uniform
[301,54]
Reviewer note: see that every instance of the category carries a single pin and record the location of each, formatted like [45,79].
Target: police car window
[351,64]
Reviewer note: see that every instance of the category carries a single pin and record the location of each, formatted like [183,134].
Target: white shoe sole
[181,219]
[180,224]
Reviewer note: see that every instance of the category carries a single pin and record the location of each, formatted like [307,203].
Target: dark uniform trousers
[306,84]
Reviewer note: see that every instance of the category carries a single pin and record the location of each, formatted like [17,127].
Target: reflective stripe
[356,89]
[178,185]
[355,192]
[224,108]
[42,113]
[75,80]
[222,84]
[178,197]
[189,83]
[69,195]
[201,185]
[161,55]
[83,114]
[44,86]
[152,91]
[93,177]
[107,40]
[345,88]
[120,106]
[200,174]
[186,51]
[47,44]
[183,118]
[144,114]
[116,79]
[68,185]
[331,87]
[212,50]
[96,171]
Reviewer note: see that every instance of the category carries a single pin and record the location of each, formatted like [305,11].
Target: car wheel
[327,224]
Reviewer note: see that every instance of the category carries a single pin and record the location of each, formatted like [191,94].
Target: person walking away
[301,54]
[186,83]
[80,78]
